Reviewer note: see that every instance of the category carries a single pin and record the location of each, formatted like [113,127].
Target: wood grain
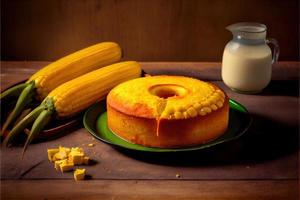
[156,30]
[264,153]
[167,190]
[12,71]
[263,164]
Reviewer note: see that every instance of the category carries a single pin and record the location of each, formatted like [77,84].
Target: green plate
[95,121]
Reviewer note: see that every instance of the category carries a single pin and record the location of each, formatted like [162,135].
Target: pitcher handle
[276,49]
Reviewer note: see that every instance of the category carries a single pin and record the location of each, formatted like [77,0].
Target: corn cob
[74,96]
[67,68]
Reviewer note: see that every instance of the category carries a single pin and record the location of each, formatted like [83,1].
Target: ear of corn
[74,65]
[61,71]
[76,95]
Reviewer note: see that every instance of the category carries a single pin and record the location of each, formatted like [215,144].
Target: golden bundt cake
[167,111]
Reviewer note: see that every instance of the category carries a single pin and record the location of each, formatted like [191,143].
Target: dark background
[147,30]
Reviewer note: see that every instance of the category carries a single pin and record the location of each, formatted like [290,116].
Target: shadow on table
[282,88]
[265,140]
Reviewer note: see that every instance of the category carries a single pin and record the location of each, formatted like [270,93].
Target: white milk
[246,68]
[247,59]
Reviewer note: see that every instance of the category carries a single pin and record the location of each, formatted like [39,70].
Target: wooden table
[262,164]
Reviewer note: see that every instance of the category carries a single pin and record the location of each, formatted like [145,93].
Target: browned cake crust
[139,127]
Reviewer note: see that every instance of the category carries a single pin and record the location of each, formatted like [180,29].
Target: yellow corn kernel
[207,109]
[51,153]
[66,166]
[197,106]
[75,65]
[222,100]
[220,104]
[214,98]
[214,107]
[76,95]
[186,115]
[79,174]
[202,112]
[178,115]
[221,93]
[76,157]
[86,160]
[205,103]
[218,95]
[192,112]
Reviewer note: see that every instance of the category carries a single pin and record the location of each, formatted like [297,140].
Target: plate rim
[166,150]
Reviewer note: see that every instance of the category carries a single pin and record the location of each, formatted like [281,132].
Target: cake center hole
[167,90]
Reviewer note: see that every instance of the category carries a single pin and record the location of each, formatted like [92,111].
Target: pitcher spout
[248,30]
[232,28]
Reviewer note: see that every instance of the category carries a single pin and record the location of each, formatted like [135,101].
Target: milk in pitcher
[247,59]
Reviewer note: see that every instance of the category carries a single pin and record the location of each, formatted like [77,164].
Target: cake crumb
[65,159]
[79,174]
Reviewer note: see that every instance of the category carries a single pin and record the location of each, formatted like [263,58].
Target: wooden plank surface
[233,161]
[12,72]
[146,190]
[265,159]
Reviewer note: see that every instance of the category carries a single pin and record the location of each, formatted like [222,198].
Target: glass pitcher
[247,58]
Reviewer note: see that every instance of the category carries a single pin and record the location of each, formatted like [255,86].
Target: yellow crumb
[76,157]
[79,174]
[61,155]
[65,149]
[65,158]
[57,163]
[51,153]
[66,166]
